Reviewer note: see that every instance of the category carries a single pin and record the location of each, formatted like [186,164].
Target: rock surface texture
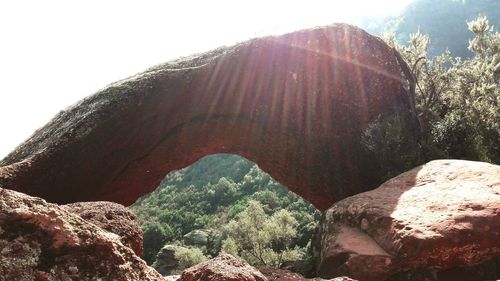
[114,218]
[222,268]
[435,221]
[308,107]
[166,262]
[275,274]
[42,241]
[196,237]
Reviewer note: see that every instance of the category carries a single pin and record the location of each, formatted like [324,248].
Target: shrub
[260,239]
[188,257]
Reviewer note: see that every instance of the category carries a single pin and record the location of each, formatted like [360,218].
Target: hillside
[444,21]
[208,194]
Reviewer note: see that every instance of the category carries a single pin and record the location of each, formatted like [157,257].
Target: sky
[54,53]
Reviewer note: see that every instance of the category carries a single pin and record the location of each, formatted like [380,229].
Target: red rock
[43,241]
[443,216]
[276,274]
[305,106]
[114,218]
[222,268]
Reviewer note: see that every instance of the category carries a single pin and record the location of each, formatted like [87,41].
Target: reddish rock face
[275,274]
[114,218]
[436,220]
[222,268]
[43,241]
[307,107]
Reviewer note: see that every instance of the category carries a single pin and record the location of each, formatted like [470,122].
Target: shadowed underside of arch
[299,105]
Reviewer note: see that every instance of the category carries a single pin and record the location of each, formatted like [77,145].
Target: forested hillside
[444,21]
[208,195]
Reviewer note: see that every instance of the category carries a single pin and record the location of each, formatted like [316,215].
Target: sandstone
[276,274]
[441,218]
[222,268]
[43,241]
[114,218]
[313,108]
[172,277]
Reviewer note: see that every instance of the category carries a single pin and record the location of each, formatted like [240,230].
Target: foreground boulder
[276,274]
[435,221]
[114,218]
[313,108]
[43,241]
[222,268]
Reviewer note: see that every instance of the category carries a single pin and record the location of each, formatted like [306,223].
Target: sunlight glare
[56,52]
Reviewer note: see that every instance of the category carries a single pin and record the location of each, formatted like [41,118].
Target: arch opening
[197,202]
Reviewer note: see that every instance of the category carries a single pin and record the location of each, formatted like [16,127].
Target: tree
[188,257]
[458,100]
[155,237]
[261,239]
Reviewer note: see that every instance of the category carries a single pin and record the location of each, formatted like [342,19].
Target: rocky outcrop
[276,274]
[172,277]
[311,108]
[114,218]
[196,237]
[166,262]
[222,268]
[437,220]
[42,241]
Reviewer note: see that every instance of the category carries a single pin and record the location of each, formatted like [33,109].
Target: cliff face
[310,108]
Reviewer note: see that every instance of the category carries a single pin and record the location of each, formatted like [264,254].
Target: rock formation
[436,221]
[196,237]
[114,218]
[310,107]
[223,268]
[43,241]
[275,274]
[166,262]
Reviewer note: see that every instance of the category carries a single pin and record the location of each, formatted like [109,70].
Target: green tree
[458,100]
[188,257]
[155,237]
[261,239]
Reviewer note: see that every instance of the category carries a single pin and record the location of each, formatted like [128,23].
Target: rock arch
[299,105]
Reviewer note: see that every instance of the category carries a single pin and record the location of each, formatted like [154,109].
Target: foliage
[261,239]
[188,257]
[210,193]
[443,20]
[458,100]
[155,236]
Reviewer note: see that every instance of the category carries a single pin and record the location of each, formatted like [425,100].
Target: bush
[458,100]
[155,237]
[188,257]
[260,239]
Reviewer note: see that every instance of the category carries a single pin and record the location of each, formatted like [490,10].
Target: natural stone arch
[299,105]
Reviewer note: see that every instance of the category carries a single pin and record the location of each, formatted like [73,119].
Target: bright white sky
[53,53]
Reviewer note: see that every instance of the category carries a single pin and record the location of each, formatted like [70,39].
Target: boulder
[328,112]
[276,274]
[434,221]
[114,218]
[166,262]
[222,268]
[196,237]
[43,241]
[172,277]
